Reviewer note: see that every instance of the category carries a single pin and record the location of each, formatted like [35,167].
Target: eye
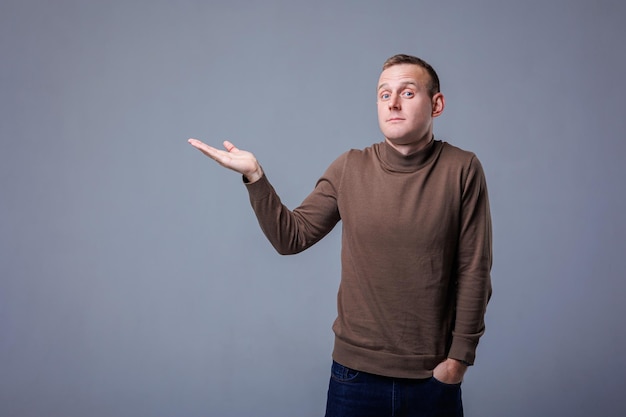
[385,96]
[408,94]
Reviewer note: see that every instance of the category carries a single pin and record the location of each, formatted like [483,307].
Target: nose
[394,102]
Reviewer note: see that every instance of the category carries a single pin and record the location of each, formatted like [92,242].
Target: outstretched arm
[289,231]
[233,158]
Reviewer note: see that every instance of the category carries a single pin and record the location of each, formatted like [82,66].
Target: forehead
[403,73]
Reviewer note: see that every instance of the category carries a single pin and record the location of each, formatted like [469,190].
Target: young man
[416,252]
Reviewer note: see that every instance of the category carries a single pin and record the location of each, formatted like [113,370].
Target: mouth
[395,119]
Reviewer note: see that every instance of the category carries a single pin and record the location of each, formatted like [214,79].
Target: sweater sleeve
[474,258]
[290,231]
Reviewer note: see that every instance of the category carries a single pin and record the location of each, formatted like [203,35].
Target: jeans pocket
[343,373]
[445,384]
[446,398]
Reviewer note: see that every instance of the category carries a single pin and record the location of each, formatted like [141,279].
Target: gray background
[134,280]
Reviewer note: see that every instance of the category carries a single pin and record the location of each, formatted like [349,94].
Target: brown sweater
[416,253]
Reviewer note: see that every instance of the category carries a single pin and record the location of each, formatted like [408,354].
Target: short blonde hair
[433,85]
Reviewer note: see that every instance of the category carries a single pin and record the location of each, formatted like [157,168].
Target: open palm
[233,158]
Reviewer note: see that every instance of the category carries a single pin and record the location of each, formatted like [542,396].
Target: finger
[209,151]
[197,144]
[202,146]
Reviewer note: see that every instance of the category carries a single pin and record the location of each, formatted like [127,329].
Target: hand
[233,158]
[450,371]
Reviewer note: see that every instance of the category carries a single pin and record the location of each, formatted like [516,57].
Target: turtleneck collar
[396,162]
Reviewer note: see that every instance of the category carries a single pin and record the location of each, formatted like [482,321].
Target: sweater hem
[385,363]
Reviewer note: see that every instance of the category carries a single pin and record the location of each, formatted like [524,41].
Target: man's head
[433,86]
[408,100]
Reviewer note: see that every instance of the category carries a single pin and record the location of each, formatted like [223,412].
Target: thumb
[230,147]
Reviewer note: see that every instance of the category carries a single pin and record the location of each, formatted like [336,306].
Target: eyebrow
[404,84]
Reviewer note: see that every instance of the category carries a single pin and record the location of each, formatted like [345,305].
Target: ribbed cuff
[259,189]
[463,350]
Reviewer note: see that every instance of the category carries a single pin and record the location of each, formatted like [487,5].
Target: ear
[438,103]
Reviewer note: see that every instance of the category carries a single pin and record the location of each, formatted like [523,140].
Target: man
[416,252]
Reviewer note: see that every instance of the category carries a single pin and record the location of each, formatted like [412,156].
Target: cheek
[421,113]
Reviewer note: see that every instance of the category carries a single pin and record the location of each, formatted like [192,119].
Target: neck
[411,148]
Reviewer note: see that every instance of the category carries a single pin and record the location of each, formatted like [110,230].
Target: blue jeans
[358,394]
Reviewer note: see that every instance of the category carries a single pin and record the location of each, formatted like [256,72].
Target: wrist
[253,176]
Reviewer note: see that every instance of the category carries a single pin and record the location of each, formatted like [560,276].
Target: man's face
[405,108]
